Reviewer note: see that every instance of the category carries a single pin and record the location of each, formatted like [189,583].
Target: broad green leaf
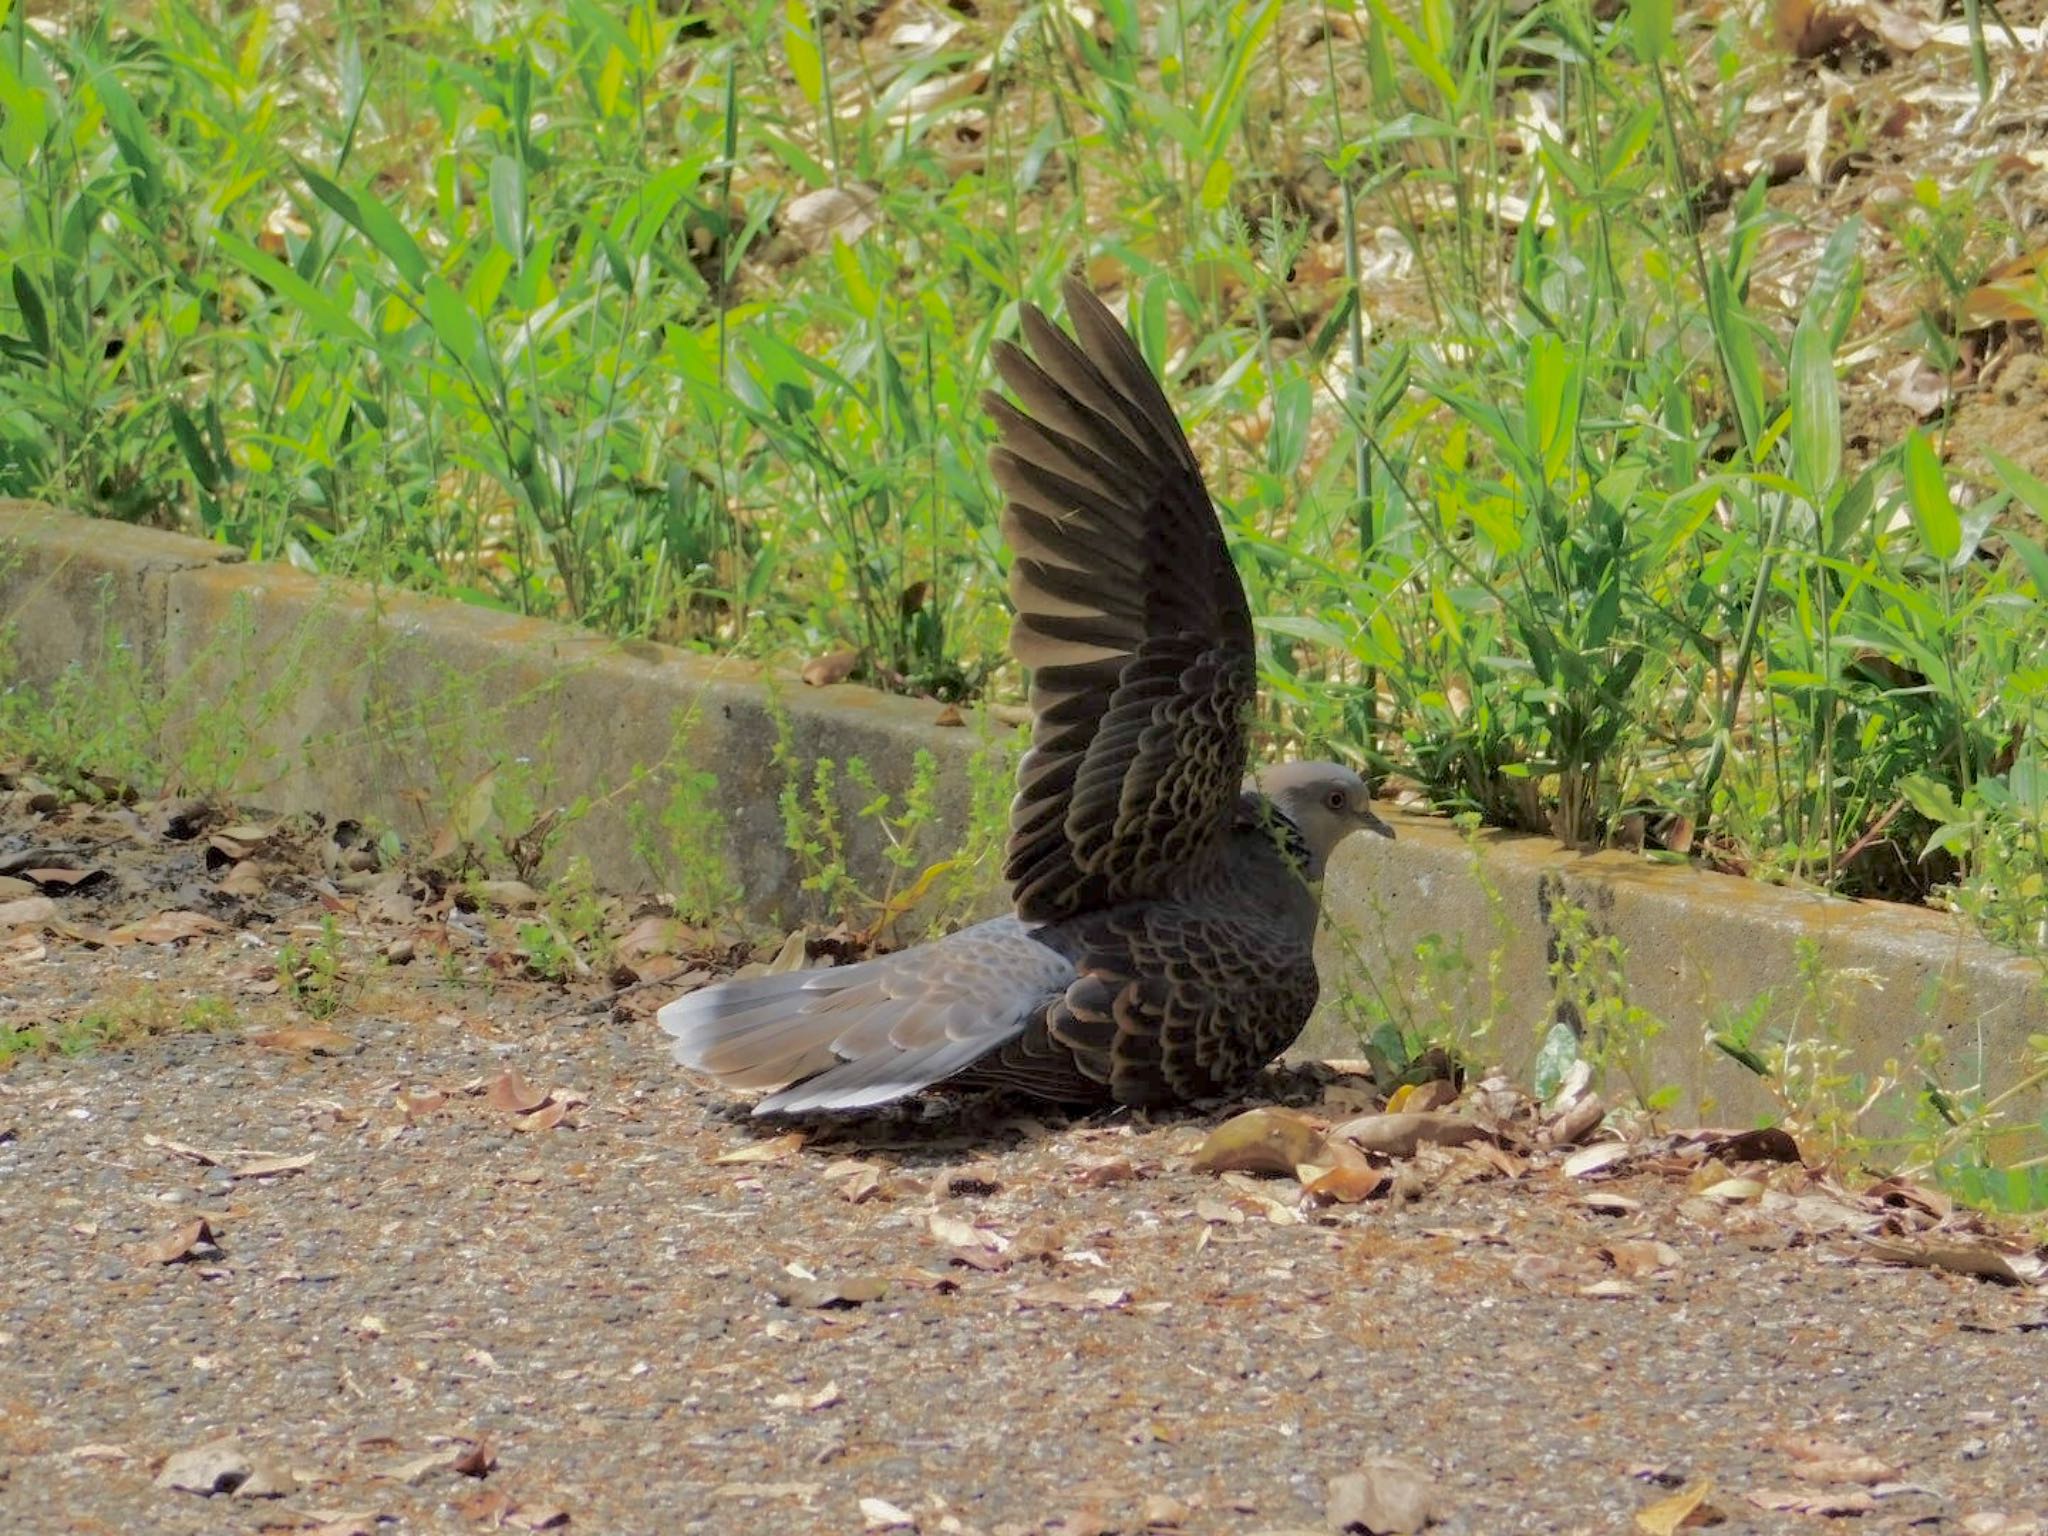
[369,217]
[2028,489]
[455,324]
[508,206]
[1651,21]
[800,46]
[35,319]
[1934,515]
[1816,412]
[1930,797]
[322,311]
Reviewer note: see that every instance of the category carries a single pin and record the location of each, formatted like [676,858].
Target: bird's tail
[856,1036]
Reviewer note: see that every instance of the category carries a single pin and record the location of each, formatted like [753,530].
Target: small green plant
[572,935]
[1588,975]
[112,1025]
[314,975]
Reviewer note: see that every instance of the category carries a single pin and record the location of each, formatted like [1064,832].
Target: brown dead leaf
[1117,1170]
[1809,1501]
[776,1149]
[417,1104]
[1386,1496]
[838,1295]
[1640,1256]
[1074,1298]
[476,1460]
[271,1166]
[881,1515]
[184,1243]
[511,1094]
[27,912]
[2014,291]
[809,1402]
[1919,386]
[950,716]
[1399,1134]
[833,667]
[1602,1158]
[173,927]
[219,1466]
[1346,1185]
[1266,1140]
[1768,1144]
[1963,1256]
[1906,1194]
[1684,1509]
[1572,1125]
[59,882]
[307,1040]
[551,1113]
[488,1506]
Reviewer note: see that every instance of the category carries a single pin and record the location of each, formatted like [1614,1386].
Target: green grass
[114,1024]
[1534,462]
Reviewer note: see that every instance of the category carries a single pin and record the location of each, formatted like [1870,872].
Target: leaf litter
[1096,1232]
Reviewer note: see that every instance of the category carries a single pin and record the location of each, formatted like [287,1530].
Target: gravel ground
[637,1311]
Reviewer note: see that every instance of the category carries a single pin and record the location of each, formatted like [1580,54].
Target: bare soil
[476,1256]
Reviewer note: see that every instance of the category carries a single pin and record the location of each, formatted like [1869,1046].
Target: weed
[115,1024]
[313,975]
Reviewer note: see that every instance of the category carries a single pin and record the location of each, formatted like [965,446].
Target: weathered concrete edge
[409,712]
[403,694]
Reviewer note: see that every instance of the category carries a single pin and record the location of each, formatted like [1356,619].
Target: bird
[1164,899]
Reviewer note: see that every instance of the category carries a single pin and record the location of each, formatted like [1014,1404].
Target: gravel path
[985,1322]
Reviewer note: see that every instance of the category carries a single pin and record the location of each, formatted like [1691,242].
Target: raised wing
[1129,614]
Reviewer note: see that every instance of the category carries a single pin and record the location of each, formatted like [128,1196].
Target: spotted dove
[1164,910]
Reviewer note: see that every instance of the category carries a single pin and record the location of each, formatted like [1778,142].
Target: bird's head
[1326,802]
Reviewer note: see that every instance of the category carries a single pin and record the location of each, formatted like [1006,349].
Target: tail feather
[867,1034]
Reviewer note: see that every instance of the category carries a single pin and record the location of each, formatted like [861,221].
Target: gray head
[1327,802]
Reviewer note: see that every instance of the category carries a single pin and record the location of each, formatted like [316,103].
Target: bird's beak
[1370,822]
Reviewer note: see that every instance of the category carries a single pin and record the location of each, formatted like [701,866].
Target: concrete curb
[401,710]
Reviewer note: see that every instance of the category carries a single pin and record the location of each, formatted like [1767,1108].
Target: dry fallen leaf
[1266,1140]
[1768,1144]
[1640,1256]
[1688,1507]
[1813,1501]
[219,1466]
[881,1515]
[1345,1185]
[1398,1135]
[170,928]
[1386,1496]
[809,1402]
[1963,1256]
[27,912]
[184,1243]
[833,667]
[1602,1157]
[551,1113]
[309,1040]
[774,1150]
[271,1166]
[477,1460]
[831,213]
[838,1295]
[1073,1298]
[511,1094]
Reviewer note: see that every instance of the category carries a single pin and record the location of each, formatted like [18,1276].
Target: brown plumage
[1164,910]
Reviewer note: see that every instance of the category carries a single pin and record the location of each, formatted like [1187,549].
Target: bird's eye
[1337,800]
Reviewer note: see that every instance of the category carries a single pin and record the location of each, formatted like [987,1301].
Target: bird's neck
[1261,820]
